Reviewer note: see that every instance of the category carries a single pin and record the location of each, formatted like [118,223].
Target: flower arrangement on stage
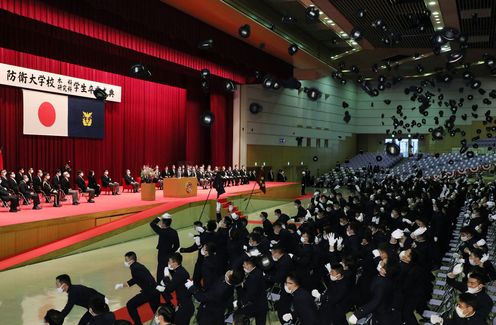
[147,174]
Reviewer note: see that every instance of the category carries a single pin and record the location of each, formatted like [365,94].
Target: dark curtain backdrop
[154,124]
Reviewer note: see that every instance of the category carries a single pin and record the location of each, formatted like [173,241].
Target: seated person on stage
[13,184]
[107,182]
[157,178]
[38,182]
[30,176]
[129,180]
[49,191]
[85,189]
[65,185]
[6,197]
[165,173]
[3,177]
[92,182]
[19,175]
[28,193]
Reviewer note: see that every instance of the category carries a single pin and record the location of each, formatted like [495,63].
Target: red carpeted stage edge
[31,236]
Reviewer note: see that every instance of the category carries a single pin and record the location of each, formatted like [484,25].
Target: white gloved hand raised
[199,229]
[436,319]
[160,288]
[254,252]
[339,243]
[316,294]
[352,320]
[166,272]
[457,269]
[287,317]
[376,253]
[188,284]
[119,286]
[235,304]
[217,207]
[408,221]
[328,267]
[197,241]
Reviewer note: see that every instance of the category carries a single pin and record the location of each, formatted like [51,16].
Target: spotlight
[204,73]
[140,71]
[343,81]
[292,49]
[450,34]
[447,78]
[229,86]
[437,134]
[100,94]
[255,108]
[244,31]
[361,13]
[312,13]
[288,20]
[467,74]
[455,56]
[206,44]
[267,82]
[313,94]
[207,118]
[276,85]
[356,34]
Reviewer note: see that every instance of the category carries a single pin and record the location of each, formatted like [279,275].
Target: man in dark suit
[168,242]
[252,298]
[301,213]
[56,181]
[4,178]
[19,175]
[77,295]
[30,175]
[65,186]
[268,229]
[13,183]
[144,279]
[83,188]
[99,309]
[107,182]
[37,182]
[129,180]
[215,300]
[28,193]
[6,197]
[304,308]
[175,278]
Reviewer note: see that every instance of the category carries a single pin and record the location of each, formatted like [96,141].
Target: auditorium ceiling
[394,35]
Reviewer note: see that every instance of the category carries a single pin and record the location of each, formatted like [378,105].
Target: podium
[180,187]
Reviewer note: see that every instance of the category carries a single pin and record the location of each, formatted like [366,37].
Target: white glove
[287,317]
[254,252]
[162,283]
[457,269]
[340,243]
[245,247]
[316,294]
[291,255]
[166,272]
[119,286]
[484,258]
[230,208]
[197,241]
[235,304]
[273,242]
[199,229]
[436,319]
[159,218]
[352,320]
[188,284]
[217,207]
[328,267]
[376,253]
[298,232]
[160,288]
[408,221]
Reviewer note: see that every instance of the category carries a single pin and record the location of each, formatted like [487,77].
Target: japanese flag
[45,113]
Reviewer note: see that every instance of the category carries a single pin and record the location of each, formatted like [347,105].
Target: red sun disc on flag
[46,114]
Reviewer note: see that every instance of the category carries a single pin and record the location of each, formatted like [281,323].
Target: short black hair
[54,317]
[167,222]
[131,256]
[264,214]
[338,267]
[167,312]
[211,225]
[64,278]
[468,299]
[176,257]
[277,211]
[256,237]
[252,261]
[98,305]
[237,277]
[295,278]
[297,202]
[211,248]
[479,277]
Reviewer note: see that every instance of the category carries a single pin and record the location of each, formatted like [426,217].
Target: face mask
[333,278]
[286,288]
[459,312]
[202,252]
[157,321]
[328,209]
[393,216]
[472,262]
[473,290]
[379,267]
[402,255]
[349,233]
[275,259]
[463,238]
[342,223]
[302,240]
[60,289]
[252,244]
[126,264]
[246,270]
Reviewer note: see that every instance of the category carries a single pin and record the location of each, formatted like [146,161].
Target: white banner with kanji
[11,75]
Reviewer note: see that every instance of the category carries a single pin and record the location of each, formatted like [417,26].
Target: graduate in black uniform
[168,242]
[77,295]
[99,309]
[175,278]
[466,313]
[252,298]
[303,306]
[144,279]
[334,301]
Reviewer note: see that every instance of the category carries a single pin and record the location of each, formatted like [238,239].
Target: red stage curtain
[197,136]
[221,131]
[148,126]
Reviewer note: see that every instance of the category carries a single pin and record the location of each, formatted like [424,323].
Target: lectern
[180,187]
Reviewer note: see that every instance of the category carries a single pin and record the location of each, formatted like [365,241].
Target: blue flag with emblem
[86,118]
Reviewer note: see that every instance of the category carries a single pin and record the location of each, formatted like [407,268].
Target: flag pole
[204,204]
[249,198]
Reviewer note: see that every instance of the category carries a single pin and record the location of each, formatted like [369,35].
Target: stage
[32,235]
